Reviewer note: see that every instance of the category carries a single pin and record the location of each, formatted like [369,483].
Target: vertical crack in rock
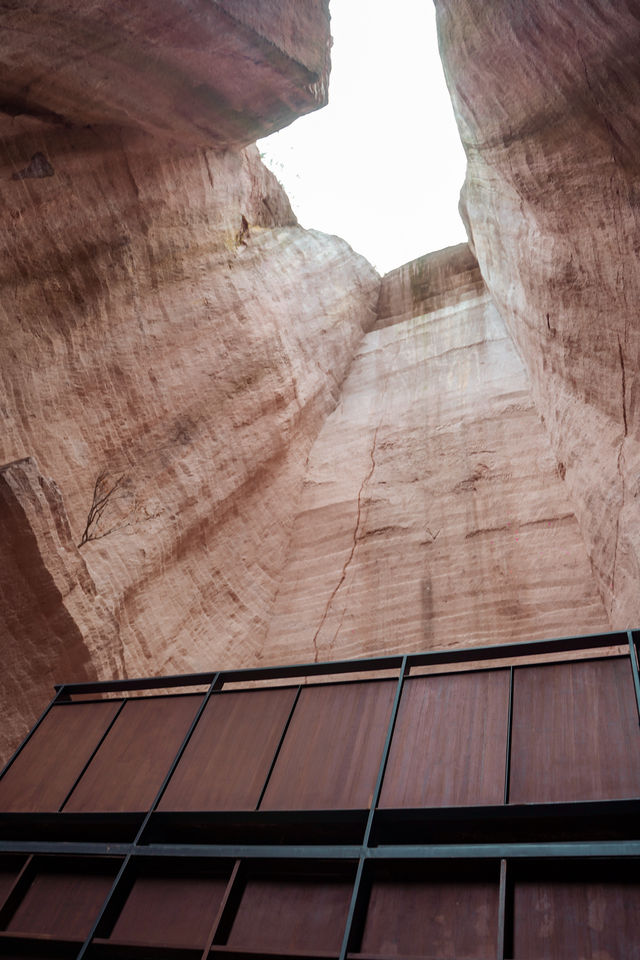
[620,473]
[345,567]
[624,390]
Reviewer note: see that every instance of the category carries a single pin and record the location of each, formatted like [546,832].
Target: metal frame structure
[353,843]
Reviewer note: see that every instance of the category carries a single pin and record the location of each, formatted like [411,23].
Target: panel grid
[317,820]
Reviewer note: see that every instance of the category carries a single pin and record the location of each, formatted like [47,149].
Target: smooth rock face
[217,73]
[547,97]
[169,331]
[432,512]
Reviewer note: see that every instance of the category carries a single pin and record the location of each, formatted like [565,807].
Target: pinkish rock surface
[165,320]
[217,73]
[303,462]
[547,97]
[432,512]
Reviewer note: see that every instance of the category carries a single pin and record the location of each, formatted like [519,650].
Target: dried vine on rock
[105,494]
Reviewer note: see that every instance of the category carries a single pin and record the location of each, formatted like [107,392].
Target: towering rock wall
[547,97]
[172,342]
[179,488]
[432,513]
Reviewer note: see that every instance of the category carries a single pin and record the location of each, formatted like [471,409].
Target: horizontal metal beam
[505,651]
[469,851]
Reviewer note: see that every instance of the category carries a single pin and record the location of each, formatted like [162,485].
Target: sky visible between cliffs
[382,164]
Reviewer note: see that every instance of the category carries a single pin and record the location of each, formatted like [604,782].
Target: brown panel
[432,919]
[300,913]
[41,776]
[228,757]
[577,920]
[575,732]
[449,743]
[331,753]
[176,911]
[128,769]
[61,904]
[9,869]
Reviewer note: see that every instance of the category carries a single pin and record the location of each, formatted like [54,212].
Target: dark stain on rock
[37,168]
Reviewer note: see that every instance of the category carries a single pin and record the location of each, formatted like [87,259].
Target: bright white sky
[382,164]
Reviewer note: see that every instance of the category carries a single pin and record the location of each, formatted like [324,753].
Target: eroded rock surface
[433,513]
[217,73]
[547,97]
[166,326]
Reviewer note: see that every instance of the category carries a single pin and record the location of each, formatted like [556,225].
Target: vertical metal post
[114,887]
[176,760]
[279,747]
[502,910]
[212,687]
[507,762]
[385,751]
[222,909]
[93,753]
[372,809]
[352,909]
[633,656]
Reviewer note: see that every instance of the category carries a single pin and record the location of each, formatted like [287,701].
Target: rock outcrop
[172,340]
[547,97]
[167,325]
[217,73]
[433,513]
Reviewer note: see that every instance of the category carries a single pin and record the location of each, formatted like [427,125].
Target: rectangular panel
[128,769]
[434,915]
[10,867]
[228,757]
[572,919]
[332,751]
[575,732]
[43,773]
[62,904]
[176,911]
[449,742]
[289,914]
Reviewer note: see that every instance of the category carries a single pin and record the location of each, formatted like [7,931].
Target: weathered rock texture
[169,328]
[432,513]
[180,489]
[214,72]
[547,97]
[428,283]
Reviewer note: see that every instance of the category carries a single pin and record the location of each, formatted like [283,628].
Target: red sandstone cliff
[168,332]
[547,97]
[265,455]
[432,512]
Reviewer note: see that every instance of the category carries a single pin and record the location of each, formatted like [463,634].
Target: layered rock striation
[547,100]
[433,513]
[214,73]
[172,339]
[225,441]
[167,326]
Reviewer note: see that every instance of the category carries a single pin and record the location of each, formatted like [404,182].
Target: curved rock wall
[170,334]
[547,97]
[216,73]
[432,512]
